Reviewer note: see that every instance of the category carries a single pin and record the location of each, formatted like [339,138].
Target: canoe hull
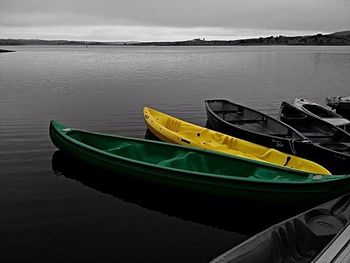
[322,113]
[238,130]
[340,104]
[343,111]
[335,162]
[331,145]
[277,194]
[281,144]
[298,239]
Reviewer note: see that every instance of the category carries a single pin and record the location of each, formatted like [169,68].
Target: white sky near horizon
[161,20]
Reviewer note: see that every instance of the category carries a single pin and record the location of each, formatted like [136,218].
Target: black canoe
[333,143]
[322,113]
[251,125]
[303,238]
[340,104]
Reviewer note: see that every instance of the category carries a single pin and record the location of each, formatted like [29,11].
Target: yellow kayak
[170,129]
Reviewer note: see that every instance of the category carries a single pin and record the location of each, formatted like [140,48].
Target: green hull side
[263,191]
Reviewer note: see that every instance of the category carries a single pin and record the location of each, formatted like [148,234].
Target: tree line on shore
[335,39]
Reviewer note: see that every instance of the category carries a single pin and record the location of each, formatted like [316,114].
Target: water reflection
[228,214]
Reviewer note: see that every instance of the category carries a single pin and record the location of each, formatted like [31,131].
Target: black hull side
[341,106]
[343,111]
[335,162]
[326,140]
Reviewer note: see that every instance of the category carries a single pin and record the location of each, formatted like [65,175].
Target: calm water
[54,209]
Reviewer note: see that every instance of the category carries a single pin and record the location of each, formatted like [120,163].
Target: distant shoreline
[335,39]
[5,50]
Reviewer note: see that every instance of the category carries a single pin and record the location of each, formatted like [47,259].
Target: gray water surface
[53,214]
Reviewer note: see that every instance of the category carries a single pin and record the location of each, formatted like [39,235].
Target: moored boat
[332,143]
[251,125]
[338,250]
[171,129]
[341,105]
[322,113]
[247,124]
[302,238]
[196,169]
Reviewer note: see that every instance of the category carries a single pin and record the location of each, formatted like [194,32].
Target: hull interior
[183,159]
[251,120]
[320,111]
[318,131]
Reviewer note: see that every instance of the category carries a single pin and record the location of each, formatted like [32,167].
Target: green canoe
[197,170]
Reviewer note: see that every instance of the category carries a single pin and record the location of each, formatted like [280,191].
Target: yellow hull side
[171,129]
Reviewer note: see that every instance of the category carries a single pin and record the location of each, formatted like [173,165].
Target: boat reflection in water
[233,215]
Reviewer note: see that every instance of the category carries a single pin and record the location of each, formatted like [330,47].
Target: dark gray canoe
[333,143]
[251,125]
[338,250]
[340,104]
[316,129]
[303,238]
[322,113]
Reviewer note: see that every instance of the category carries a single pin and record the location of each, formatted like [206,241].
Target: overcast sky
[147,20]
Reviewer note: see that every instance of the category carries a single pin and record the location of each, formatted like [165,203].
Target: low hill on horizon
[341,33]
[341,38]
[335,39]
[19,42]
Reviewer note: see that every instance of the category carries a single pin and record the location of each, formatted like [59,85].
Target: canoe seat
[230,142]
[228,111]
[173,124]
[243,121]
